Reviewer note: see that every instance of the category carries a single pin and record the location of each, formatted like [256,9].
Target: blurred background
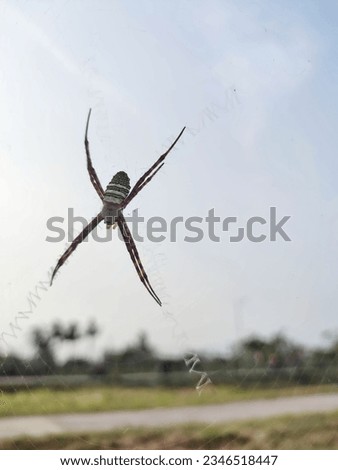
[256,85]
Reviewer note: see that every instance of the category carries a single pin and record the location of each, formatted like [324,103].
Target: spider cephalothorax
[115,198]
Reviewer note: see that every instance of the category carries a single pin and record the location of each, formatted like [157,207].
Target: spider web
[154,262]
[23,383]
[207,117]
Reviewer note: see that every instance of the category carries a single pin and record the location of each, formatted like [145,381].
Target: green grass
[315,431]
[47,401]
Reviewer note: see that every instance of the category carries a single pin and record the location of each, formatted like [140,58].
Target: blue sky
[147,69]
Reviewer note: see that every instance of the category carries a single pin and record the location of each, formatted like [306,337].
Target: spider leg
[133,253]
[146,181]
[84,234]
[92,173]
[148,175]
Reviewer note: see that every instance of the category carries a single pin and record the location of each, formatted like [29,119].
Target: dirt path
[236,411]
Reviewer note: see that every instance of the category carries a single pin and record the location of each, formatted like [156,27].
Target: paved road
[238,411]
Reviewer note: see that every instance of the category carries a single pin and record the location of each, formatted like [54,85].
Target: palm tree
[45,360]
[91,332]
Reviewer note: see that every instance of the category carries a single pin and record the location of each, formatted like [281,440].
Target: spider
[115,198]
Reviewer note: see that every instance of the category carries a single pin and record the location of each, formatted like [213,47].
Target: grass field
[46,401]
[316,431]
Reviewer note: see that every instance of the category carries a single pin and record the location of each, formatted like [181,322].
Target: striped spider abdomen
[115,193]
